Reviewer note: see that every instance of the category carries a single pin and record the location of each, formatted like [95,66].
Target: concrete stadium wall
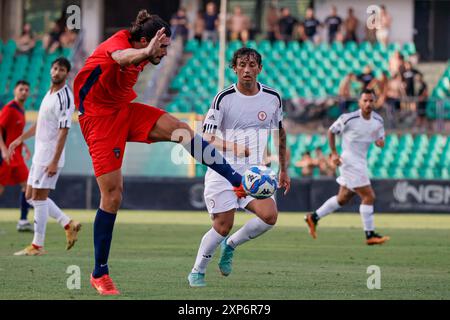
[407,196]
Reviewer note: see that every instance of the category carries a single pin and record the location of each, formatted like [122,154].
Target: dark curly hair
[146,25]
[245,52]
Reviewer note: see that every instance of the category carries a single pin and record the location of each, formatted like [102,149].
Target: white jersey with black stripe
[55,113]
[246,120]
[357,135]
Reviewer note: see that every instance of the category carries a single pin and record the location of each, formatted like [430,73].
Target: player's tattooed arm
[26,135]
[284,180]
[334,155]
[224,145]
[52,168]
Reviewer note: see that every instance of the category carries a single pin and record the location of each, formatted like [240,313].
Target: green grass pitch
[153,252]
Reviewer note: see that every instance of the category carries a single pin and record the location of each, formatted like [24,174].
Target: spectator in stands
[345,97]
[311,24]
[199,26]
[395,92]
[50,41]
[273,32]
[239,25]
[300,34]
[409,75]
[179,24]
[367,78]
[67,38]
[422,94]
[286,24]
[385,26]
[396,63]
[321,162]
[211,22]
[333,21]
[381,90]
[26,41]
[351,25]
[306,163]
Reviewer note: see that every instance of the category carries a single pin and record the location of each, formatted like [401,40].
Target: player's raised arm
[153,50]
[149,41]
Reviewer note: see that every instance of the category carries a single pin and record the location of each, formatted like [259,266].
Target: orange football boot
[311,225]
[104,285]
[377,239]
[240,192]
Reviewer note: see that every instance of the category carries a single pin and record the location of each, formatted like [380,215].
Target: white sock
[328,207]
[55,212]
[40,221]
[249,231]
[208,245]
[366,212]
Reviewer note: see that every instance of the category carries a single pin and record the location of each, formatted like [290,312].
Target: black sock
[315,217]
[24,206]
[369,234]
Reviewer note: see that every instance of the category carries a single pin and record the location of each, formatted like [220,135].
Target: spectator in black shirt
[311,24]
[367,78]
[211,22]
[333,22]
[408,75]
[286,24]
[179,24]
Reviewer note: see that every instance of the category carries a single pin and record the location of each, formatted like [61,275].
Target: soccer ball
[259,182]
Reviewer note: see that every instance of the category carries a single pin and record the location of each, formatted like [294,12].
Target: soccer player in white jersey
[358,129]
[239,121]
[51,129]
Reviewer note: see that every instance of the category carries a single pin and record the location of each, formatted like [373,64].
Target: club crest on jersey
[262,115]
[212,203]
[117,152]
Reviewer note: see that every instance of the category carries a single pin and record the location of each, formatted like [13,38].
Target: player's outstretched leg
[222,224]
[267,214]
[23,225]
[169,128]
[367,216]
[331,205]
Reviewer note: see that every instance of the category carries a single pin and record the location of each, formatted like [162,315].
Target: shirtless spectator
[26,41]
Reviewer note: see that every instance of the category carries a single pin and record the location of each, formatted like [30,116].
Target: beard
[57,81]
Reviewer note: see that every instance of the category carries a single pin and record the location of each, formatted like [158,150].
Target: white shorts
[220,197]
[353,177]
[39,179]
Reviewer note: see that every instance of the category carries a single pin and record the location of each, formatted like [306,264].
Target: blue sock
[214,160]
[24,206]
[103,229]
